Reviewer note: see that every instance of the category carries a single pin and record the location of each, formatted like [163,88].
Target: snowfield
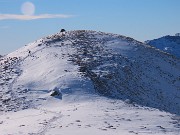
[93,115]
[109,85]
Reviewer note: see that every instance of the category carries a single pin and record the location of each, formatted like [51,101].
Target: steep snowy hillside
[169,44]
[109,84]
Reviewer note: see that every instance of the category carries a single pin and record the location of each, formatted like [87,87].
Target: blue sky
[140,19]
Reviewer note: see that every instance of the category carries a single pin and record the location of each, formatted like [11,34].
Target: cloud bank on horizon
[32,17]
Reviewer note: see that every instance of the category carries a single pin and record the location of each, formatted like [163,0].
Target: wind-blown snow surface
[169,44]
[110,84]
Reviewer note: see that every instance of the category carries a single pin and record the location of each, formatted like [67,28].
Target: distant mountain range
[169,44]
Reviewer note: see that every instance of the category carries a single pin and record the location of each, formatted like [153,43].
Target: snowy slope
[110,84]
[169,44]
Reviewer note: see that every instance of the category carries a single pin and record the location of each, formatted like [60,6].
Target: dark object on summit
[63,30]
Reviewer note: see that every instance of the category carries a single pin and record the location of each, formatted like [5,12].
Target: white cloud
[32,17]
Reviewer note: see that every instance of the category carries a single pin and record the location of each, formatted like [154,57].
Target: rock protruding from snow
[56,92]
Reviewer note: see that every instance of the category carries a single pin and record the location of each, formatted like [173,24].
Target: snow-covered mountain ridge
[118,66]
[85,66]
[169,44]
